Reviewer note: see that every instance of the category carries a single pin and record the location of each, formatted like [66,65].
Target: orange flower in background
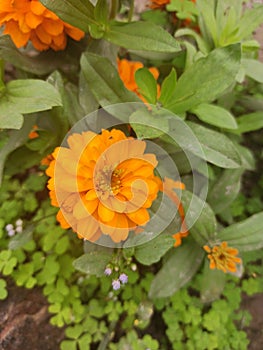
[168,187]
[103,184]
[33,133]
[127,71]
[27,20]
[156,4]
[223,257]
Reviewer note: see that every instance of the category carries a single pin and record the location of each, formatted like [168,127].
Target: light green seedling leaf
[79,13]
[249,22]
[69,345]
[101,11]
[250,122]
[177,270]
[93,263]
[246,235]
[218,148]
[204,228]
[225,190]
[7,262]
[23,97]
[253,69]
[168,87]
[215,115]
[151,252]
[147,84]
[212,283]
[142,36]
[206,79]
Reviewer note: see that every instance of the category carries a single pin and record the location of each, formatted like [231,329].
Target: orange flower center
[107,181]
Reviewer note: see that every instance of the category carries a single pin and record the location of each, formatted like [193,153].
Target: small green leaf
[79,13]
[151,252]
[168,87]
[215,115]
[250,122]
[246,235]
[142,36]
[206,79]
[202,45]
[3,291]
[93,263]
[253,69]
[69,345]
[147,84]
[21,239]
[177,270]
[225,190]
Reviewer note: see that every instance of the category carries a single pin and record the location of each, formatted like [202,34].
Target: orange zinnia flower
[26,20]
[103,184]
[127,71]
[223,257]
[168,187]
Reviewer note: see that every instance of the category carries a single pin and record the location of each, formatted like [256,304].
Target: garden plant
[130,168]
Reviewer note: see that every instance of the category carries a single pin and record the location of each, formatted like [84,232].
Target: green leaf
[148,124]
[212,284]
[16,139]
[151,252]
[101,11]
[249,22]
[25,96]
[168,87]
[3,291]
[253,69]
[215,115]
[21,239]
[206,79]
[218,149]
[250,122]
[69,345]
[202,45]
[177,270]
[245,235]
[142,36]
[93,263]
[199,217]
[147,84]
[225,190]
[207,19]
[79,13]
[43,64]
[104,81]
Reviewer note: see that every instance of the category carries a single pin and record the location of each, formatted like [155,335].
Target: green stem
[2,73]
[114,8]
[131,10]
[105,341]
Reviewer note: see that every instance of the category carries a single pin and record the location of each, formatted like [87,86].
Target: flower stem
[105,341]
[114,8]
[131,10]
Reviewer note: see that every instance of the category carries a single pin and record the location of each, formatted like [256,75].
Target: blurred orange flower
[156,4]
[26,20]
[103,183]
[127,71]
[168,187]
[33,133]
[223,257]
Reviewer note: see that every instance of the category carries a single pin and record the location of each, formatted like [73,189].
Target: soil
[24,321]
